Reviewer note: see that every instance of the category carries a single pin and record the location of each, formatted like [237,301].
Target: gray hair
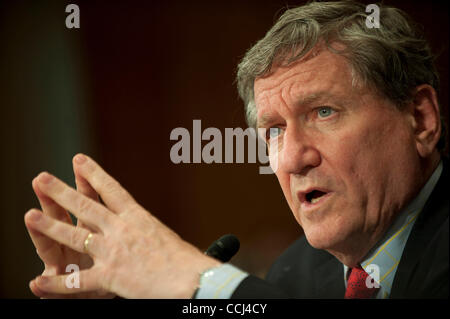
[392,59]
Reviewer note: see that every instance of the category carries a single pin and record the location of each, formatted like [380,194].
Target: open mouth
[314,196]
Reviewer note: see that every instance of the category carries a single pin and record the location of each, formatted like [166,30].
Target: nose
[298,153]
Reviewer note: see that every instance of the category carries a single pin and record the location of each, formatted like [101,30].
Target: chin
[320,238]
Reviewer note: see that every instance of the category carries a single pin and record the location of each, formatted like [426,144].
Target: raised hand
[134,255]
[57,257]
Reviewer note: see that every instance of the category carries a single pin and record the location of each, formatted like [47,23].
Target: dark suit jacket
[305,272]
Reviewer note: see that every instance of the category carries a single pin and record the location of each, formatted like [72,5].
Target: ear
[426,119]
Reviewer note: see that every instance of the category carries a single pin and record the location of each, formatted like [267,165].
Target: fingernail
[80,159]
[34,215]
[45,178]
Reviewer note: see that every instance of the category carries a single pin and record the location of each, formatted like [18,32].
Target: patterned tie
[356,285]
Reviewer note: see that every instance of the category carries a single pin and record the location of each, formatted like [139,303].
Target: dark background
[115,89]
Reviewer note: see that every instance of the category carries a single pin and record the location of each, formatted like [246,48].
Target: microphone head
[224,248]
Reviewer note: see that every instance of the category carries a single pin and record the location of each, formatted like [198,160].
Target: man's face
[346,157]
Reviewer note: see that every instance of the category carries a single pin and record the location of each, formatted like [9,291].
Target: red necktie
[356,285]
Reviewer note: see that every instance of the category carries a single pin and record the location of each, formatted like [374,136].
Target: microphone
[224,248]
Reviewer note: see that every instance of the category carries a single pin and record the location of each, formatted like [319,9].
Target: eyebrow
[307,100]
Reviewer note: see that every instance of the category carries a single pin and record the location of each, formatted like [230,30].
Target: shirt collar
[381,262]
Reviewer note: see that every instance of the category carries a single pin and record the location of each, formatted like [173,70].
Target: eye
[272,132]
[325,111]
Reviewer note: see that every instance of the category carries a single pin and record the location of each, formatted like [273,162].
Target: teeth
[315,200]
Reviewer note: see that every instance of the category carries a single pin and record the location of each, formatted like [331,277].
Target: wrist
[204,275]
[203,265]
[219,282]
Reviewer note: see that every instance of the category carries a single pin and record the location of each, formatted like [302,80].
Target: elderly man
[352,117]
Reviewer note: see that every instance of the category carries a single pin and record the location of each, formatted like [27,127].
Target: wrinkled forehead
[320,72]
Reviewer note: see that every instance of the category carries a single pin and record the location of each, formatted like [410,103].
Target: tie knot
[359,284]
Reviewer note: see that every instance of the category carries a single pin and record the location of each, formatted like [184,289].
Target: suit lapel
[433,215]
[329,279]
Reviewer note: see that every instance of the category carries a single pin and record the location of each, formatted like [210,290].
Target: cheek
[362,161]
[362,147]
[284,181]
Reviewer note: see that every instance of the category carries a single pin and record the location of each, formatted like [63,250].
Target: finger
[111,192]
[42,294]
[68,235]
[93,214]
[83,185]
[35,289]
[84,188]
[98,294]
[87,280]
[47,249]
[49,206]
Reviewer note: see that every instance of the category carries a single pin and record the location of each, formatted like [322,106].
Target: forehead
[317,73]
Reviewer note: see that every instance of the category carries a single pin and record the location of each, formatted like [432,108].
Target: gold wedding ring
[86,242]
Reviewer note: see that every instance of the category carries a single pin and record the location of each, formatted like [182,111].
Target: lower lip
[307,206]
